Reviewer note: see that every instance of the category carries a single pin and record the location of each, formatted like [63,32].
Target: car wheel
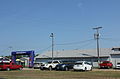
[8,69]
[66,69]
[41,68]
[20,68]
[50,68]
[85,69]
[57,68]
[91,69]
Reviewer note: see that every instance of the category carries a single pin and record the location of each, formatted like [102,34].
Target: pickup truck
[50,65]
[9,66]
[106,64]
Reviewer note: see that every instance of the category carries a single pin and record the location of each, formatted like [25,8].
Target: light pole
[96,36]
[52,36]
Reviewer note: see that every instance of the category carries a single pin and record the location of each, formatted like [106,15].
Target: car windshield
[118,63]
[80,63]
[106,62]
[36,63]
[49,62]
[60,61]
[4,63]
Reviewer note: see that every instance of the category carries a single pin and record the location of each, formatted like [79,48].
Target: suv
[50,64]
[9,66]
[106,64]
[82,65]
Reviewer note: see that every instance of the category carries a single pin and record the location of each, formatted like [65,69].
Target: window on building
[116,49]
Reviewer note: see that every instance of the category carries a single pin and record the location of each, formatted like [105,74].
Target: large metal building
[90,55]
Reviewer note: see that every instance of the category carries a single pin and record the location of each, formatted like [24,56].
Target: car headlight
[46,64]
[63,65]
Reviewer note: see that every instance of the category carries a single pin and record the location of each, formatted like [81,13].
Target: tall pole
[96,36]
[52,36]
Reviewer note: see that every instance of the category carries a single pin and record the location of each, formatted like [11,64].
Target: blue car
[64,67]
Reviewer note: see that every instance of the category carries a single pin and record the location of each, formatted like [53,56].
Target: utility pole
[96,36]
[52,36]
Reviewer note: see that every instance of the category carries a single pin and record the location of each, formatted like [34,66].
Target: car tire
[20,68]
[91,69]
[8,69]
[85,69]
[50,68]
[41,68]
[57,68]
[66,69]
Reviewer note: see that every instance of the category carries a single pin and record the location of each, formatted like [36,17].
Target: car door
[14,66]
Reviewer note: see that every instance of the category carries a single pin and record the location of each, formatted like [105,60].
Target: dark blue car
[64,67]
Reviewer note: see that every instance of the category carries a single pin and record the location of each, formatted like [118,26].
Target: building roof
[76,53]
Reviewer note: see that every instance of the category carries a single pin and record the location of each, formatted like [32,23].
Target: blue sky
[27,24]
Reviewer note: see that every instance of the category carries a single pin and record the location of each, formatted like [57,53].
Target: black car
[64,66]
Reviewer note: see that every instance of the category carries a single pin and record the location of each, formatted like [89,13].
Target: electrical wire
[45,48]
[87,44]
[72,43]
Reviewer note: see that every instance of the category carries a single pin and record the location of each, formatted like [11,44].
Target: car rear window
[118,63]
[78,63]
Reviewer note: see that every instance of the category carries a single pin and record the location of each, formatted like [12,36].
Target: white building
[115,55]
[106,54]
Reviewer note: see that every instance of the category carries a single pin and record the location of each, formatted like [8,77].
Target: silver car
[37,65]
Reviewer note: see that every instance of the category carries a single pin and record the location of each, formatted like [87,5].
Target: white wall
[115,58]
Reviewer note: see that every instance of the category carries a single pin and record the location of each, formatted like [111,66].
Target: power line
[111,39]
[72,43]
[88,44]
[45,48]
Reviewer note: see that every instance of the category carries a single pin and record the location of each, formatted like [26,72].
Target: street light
[96,36]
[52,36]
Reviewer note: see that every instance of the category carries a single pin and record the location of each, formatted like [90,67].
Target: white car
[82,65]
[37,65]
[118,65]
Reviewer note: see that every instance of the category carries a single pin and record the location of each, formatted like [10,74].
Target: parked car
[118,65]
[82,65]
[37,65]
[65,66]
[106,64]
[50,65]
[10,66]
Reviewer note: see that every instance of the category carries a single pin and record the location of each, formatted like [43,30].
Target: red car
[9,66]
[106,64]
